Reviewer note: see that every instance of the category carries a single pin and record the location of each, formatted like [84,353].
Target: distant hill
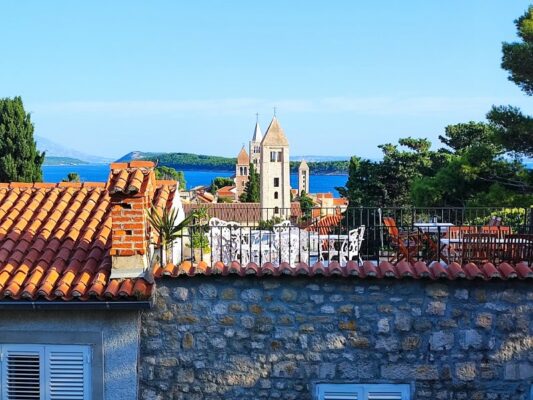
[320,158]
[137,155]
[189,161]
[62,161]
[55,150]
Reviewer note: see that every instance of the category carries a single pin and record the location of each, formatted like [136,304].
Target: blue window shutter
[339,392]
[362,392]
[68,372]
[22,367]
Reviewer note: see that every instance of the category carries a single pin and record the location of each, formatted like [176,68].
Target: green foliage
[63,161]
[323,167]
[514,129]
[269,224]
[473,173]
[199,240]
[461,137]
[306,204]
[185,161]
[518,56]
[194,161]
[513,217]
[220,182]
[365,186]
[19,158]
[224,200]
[166,225]
[72,177]
[252,191]
[162,172]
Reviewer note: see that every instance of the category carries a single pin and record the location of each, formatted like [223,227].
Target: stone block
[484,320]
[207,291]
[466,371]
[180,293]
[403,322]
[251,295]
[383,325]
[470,338]
[436,308]
[326,371]
[437,290]
[440,341]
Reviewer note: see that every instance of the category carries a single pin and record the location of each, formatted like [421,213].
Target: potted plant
[168,230]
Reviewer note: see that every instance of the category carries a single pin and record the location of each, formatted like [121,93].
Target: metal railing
[247,234]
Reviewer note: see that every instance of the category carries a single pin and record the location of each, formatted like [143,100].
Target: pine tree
[252,191]
[19,158]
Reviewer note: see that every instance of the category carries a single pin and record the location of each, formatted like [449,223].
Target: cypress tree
[19,159]
[252,190]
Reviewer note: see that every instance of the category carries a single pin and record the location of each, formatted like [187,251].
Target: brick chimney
[131,189]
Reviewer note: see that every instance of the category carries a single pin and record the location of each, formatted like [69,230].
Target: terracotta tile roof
[326,224]
[55,240]
[402,270]
[226,191]
[129,177]
[238,212]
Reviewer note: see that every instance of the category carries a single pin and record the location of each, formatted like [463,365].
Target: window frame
[92,339]
[362,390]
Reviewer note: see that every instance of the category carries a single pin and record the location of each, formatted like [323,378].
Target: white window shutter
[68,372]
[22,368]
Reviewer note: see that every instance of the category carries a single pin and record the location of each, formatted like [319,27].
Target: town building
[89,310]
[275,172]
[255,147]
[242,173]
[303,178]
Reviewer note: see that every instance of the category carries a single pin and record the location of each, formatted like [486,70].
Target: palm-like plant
[166,226]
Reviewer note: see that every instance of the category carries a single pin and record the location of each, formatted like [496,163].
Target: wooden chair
[405,244]
[501,231]
[455,235]
[518,248]
[479,247]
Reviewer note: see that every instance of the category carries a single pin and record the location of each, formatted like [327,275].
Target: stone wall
[254,338]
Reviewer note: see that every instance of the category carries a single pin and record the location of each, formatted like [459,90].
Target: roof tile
[55,240]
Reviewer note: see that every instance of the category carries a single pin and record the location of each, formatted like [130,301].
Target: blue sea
[99,173]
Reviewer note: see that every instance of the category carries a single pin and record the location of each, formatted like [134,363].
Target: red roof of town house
[55,239]
[326,224]
[245,213]
[226,191]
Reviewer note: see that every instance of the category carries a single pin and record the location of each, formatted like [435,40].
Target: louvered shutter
[22,368]
[386,392]
[67,372]
[339,392]
[362,392]
[384,396]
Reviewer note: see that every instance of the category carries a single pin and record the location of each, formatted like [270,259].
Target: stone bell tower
[303,178]
[275,173]
[255,147]
[242,172]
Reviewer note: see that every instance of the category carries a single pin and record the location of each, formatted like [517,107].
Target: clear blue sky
[107,77]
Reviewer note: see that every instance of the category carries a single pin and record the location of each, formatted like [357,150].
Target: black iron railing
[244,234]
